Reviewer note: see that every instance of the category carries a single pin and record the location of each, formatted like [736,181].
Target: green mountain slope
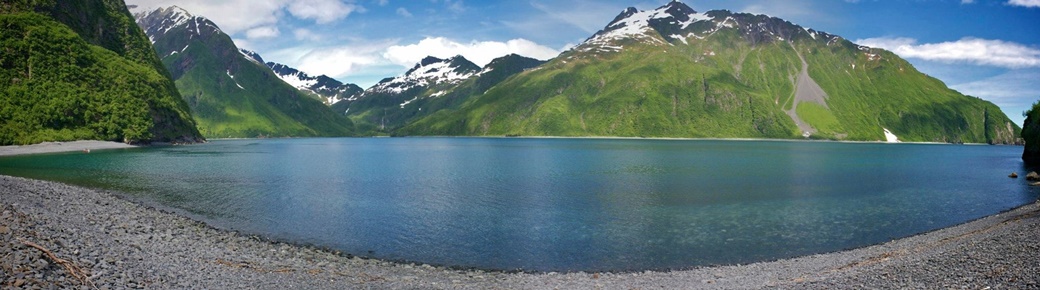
[75,70]
[672,72]
[231,94]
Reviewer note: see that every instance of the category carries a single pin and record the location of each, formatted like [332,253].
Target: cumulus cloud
[1025,3]
[322,11]
[479,52]
[966,50]
[335,61]
[306,34]
[263,32]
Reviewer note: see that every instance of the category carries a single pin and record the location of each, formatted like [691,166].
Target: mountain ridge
[431,86]
[232,92]
[673,72]
[330,90]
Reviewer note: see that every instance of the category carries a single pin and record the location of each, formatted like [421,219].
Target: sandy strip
[54,147]
[121,244]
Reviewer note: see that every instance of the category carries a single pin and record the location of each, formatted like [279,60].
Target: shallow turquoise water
[560,204]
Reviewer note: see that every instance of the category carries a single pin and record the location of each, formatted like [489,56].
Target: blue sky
[988,49]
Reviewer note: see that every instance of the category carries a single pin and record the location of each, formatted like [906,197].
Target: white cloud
[1014,91]
[1013,88]
[306,34]
[232,16]
[1025,3]
[479,52]
[966,50]
[384,2]
[337,61]
[322,11]
[403,12]
[967,1]
[263,32]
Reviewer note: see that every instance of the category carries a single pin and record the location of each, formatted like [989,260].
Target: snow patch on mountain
[233,79]
[430,71]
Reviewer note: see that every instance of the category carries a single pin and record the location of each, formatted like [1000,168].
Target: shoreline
[122,243]
[58,147]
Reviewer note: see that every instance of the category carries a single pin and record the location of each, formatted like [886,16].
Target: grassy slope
[740,91]
[61,83]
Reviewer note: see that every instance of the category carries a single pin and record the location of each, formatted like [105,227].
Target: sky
[987,49]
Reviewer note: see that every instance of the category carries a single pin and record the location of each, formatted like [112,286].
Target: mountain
[674,72]
[328,89]
[383,105]
[82,70]
[432,86]
[232,93]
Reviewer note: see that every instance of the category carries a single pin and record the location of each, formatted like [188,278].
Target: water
[560,204]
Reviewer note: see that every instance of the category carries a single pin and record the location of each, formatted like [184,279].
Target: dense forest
[83,70]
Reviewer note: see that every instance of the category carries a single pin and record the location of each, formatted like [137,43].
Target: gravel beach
[52,147]
[120,244]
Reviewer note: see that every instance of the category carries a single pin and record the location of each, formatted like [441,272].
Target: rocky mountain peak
[430,71]
[330,90]
[676,23]
[156,23]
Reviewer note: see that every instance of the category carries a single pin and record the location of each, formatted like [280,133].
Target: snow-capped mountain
[231,92]
[430,71]
[330,90]
[675,72]
[431,85]
[678,23]
[157,23]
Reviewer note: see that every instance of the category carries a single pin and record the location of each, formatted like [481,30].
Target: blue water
[560,204]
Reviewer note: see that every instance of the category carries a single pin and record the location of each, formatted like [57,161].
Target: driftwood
[73,270]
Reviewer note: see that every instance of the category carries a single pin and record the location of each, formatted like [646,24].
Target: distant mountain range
[666,72]
[329,89]
[431,86]
[232,92]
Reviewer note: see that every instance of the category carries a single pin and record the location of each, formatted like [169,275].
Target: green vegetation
[820,118]
[1031,135]
[60,82]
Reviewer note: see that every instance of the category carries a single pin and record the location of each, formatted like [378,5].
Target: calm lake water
[560,204]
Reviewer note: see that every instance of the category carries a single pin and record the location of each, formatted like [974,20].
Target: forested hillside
[82,70]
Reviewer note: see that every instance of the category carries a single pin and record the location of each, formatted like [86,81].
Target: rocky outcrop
[1031,135]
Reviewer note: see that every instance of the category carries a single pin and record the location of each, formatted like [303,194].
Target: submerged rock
[1013,175]
[1033,176]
